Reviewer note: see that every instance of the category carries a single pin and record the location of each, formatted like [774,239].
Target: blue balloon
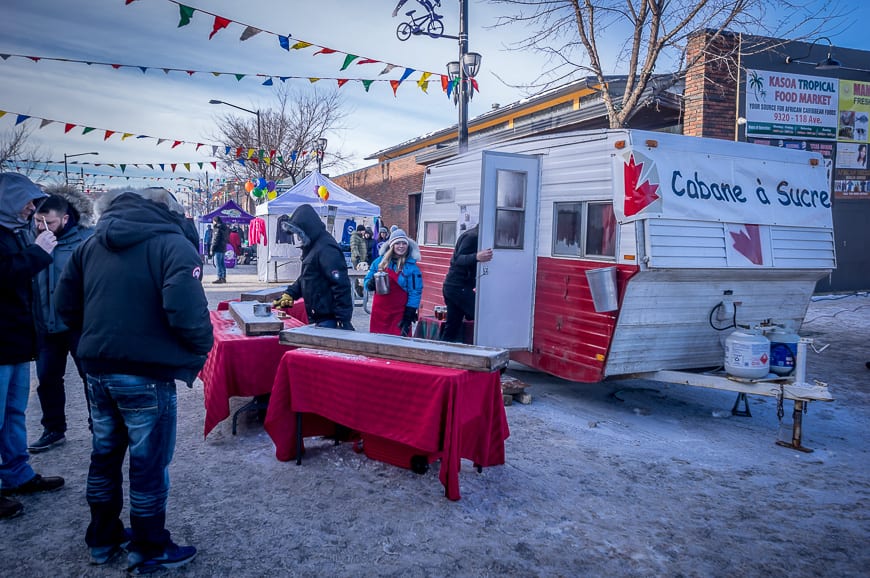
[261,183]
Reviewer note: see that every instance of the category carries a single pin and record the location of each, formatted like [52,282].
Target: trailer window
[585,229]
[440,233]
[510,211]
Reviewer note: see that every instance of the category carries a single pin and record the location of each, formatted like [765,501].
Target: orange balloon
[249,186]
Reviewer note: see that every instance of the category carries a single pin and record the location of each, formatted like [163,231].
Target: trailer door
[508,224]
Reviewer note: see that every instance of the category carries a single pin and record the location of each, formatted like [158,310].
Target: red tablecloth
[449,413]
[297,311]
[238,365]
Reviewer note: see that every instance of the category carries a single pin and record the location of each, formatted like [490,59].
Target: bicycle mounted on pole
[429,23]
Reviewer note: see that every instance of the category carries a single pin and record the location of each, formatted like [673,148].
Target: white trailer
[702,234]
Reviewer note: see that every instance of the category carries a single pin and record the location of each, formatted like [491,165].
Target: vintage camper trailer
[702,234]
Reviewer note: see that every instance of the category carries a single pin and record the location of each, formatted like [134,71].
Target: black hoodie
[134,290]
[323,282]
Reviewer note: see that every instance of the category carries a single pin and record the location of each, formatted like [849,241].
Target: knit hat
[384,231]
[396,236]
[361,228]
[394,228]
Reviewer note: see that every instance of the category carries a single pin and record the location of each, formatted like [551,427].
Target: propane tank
[747,354]
[783,349]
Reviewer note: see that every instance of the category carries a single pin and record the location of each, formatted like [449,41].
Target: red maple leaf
[637,196]
[749,244]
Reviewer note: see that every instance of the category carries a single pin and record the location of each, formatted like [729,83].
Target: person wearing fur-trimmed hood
[394,312]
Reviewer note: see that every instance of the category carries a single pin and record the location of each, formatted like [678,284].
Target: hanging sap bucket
[747,354]
[783,350]
[602,286]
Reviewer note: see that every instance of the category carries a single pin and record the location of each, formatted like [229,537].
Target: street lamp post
[66,168]
[462,71]
[259,141]
[320,145]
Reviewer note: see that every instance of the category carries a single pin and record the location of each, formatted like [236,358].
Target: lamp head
[213,101]
[471,63]
[453,69]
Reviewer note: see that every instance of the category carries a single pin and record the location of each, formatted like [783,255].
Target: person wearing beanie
[394,312]
[357,246]
[383,236]
[369,238]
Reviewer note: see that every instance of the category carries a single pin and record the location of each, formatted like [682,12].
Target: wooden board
[266,295]
[411,349]
[250,324]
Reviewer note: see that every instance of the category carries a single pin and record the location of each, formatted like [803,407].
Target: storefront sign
[791,105]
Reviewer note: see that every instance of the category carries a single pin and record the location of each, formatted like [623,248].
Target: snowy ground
[630,478]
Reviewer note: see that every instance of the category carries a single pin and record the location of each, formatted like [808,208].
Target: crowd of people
[64,282]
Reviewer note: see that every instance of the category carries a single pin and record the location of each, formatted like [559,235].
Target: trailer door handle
[484,270]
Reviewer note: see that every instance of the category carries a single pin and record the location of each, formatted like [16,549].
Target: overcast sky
[175,106]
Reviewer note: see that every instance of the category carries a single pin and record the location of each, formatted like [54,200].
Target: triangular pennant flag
[249,32]
[190,72]
[395,84]
[241,161]
[387,69]
[5,56]
[116,66]
[239,151]
[268,82]
[166,71]
[255,160]
[445,81]
[187,166]
[87,130]
[272,153]
[313,79]
[162,166]
[200,166]
[144,69]
[199,144]
[219,24]
[150,167]
[324,50]
[186,15]
[268,161]
[284,41]
[68,127]
[214,164]
[3,113]
[347,60]
[368,61]
[45,122]
[300,45]
[160,141]
[239,76]
[341,82]
[293,156]
[108,134]
[283,78]
[21,118]
[173,165]
[474,85]
[250,153]
[123,167]
[408,72]
[367,84]
[214,150]
[423,83]
[215,74]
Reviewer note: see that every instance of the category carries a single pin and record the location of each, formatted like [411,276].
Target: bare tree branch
[19,154]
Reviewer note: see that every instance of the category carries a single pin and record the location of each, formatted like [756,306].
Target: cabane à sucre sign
[704,186]
[791,105]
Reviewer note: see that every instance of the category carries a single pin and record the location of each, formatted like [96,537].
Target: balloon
[271,195]
[270,186]
[261,183]
[258,192]
[323,193]
[249,186]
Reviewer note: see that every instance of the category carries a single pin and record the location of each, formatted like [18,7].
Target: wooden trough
[410,349]
[250,324]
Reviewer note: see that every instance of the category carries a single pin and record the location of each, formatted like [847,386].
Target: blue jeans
[221,265]
[50,369]
[14,390]
[138,413]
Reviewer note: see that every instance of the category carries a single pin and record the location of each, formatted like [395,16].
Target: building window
[442,233]
[584,229]
[510,210]
[444,195]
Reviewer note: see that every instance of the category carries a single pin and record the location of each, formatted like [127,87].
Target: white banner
[704,186]
[791,105]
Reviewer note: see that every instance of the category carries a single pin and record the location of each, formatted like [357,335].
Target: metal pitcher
[382,283]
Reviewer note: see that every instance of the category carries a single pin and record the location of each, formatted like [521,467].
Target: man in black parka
[460,282]
[323,281]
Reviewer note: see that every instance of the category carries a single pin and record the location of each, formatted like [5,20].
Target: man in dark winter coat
[56,341]
[459,284]
[323,281]
[220,238]
[20,260]
[133,290]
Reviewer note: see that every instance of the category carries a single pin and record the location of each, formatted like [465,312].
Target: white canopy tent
[280,261]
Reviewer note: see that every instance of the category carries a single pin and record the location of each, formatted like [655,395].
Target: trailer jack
[741,396]
[797,424]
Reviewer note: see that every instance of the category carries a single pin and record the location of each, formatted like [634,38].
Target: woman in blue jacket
[394,312]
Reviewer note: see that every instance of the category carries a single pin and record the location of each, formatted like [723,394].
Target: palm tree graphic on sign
[756,83]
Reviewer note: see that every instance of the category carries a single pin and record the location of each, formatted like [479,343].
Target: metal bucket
[602,286]
[382,283]
[262,309]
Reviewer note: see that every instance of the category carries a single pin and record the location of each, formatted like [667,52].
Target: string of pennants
[221,22]
[22,166]
[269,78]
[242,154]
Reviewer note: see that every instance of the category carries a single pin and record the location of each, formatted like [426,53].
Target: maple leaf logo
[637,196]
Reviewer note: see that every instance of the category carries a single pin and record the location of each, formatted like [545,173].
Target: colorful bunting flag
[186,15]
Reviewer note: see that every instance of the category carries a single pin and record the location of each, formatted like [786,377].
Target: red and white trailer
[702,233]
